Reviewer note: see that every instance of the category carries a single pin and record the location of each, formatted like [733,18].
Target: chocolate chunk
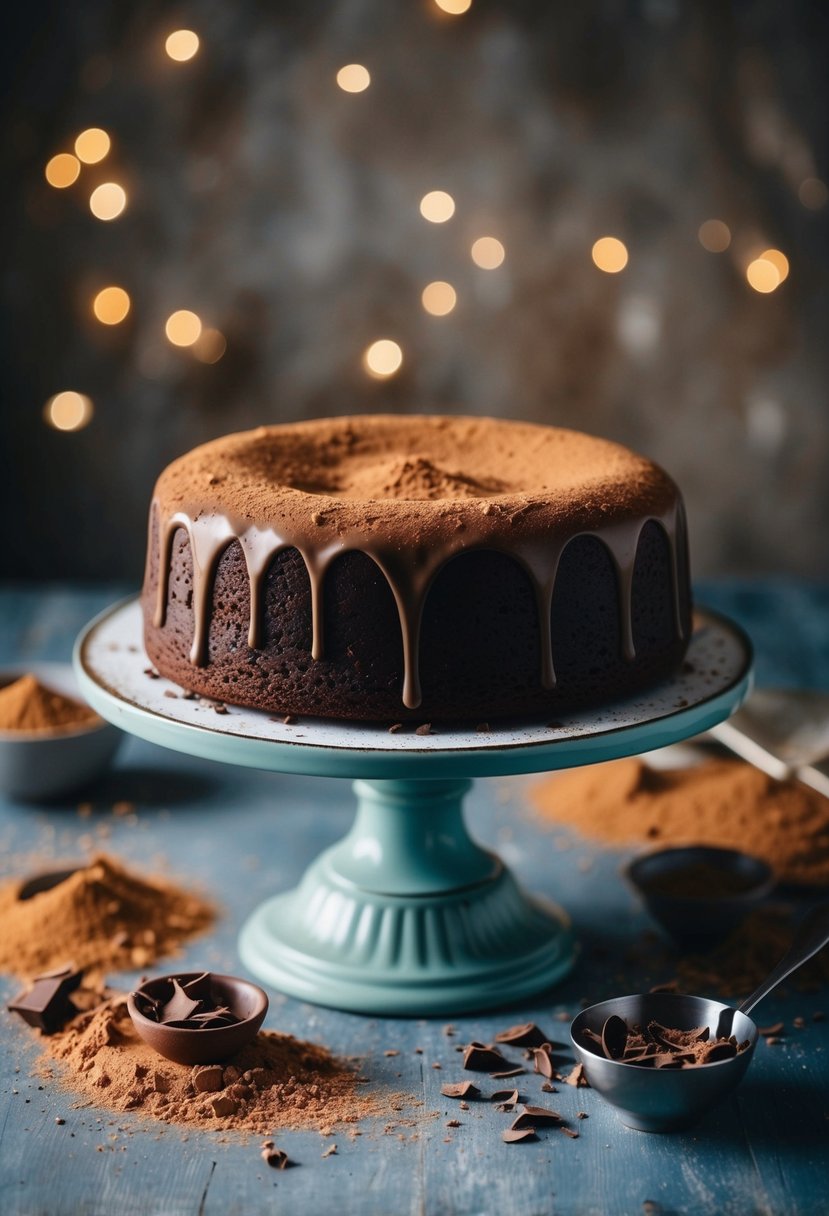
[331,1151]
[395,727]
[276,1158]
[479,1058]
[508,1072]
[208,1079]
[179,1007]
[548,1088]
[425,729]
[543,1061]
[532,1116]
[453,1123]
[577,1078]
[516,1135]
[508,1097]
[47,1005]
[582,1114]
[526,1034]
[461,1089]
[568,1131]
[614,1037]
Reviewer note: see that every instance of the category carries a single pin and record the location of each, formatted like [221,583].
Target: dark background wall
[285,212]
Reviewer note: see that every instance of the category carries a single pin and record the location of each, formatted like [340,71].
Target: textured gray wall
[285,212]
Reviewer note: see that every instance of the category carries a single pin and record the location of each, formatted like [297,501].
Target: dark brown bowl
[211,1046]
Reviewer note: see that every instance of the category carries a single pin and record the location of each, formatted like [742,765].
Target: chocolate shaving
[479,1058]
[517,1135]
[508,1072]
[460,1089]
[507,1097]
[531,1116]
[543,1061]
[527,1034]
[568,1131]
[577,1078]
[614,1037]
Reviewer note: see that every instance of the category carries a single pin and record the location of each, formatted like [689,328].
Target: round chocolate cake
[388,568]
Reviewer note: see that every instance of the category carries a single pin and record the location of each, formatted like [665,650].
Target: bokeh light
[487,252]
[92,145]
[353,78]
[111,305]
[62,170]
[779,260]
[383,358]
[610,254]
[182,45]
[439,298]
[715,236]
[210,345]
[813,193]
[763,275]
[437,206]
[107,201]
[454,7]
[183,328]
[68,411]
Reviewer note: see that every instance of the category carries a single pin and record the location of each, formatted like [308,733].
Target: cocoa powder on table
[102,917]
[719,802]
[275,1082]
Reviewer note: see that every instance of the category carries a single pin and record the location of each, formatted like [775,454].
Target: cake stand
[407,914]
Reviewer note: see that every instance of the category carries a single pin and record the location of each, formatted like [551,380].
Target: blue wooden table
[246,834]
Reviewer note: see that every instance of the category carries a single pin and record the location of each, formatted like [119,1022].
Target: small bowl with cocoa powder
[699,893]
[51,742]
[197,1017]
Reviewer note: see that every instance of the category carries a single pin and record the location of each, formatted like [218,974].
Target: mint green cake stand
[408,914]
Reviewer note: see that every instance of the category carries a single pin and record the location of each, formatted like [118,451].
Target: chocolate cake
[428,568]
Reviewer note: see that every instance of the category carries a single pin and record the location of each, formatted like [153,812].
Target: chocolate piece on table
[461,1089]
[507,1097]
[577,1078]
[532,1116]
[543,1061]
[46,1005]
[527,1034]
[508,1072]
[568,1131]
[276,1158]
[516,1135]
[478,1057]
[776,1028]
[614,1037]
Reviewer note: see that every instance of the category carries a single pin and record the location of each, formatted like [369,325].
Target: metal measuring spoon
[672,1099]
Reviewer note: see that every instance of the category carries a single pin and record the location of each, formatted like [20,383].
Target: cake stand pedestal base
[408,915]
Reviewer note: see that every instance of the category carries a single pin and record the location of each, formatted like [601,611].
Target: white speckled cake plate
[407,914]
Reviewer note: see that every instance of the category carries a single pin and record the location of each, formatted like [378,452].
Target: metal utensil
[784,732]
[666,1100]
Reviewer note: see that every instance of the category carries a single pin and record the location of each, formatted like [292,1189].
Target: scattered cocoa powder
[102,916]
[28,705]
[720,802]
[275,1082]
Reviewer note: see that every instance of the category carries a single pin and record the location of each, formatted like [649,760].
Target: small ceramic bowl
[211,1046]
[700,921]
[39,765]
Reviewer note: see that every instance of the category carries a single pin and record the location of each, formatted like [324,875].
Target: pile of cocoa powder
[273,1083]
[101,917]
[27,705]
[719,802]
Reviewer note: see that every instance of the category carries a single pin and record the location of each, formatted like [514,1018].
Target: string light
[182,45]
[439,298]
[778,260]
[92,145]
[437,206]
[68,411]
[111,305]
[454,7]
[715,236]
[383,358]
[353,78]
[210,345]
[610,254]
[107,201]
[763,275]
[813,193]
[487,252]
[183,328]
[62,170]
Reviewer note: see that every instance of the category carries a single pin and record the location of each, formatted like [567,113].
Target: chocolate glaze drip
[409,571]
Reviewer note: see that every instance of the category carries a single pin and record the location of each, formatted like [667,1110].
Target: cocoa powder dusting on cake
[102,916]
[275,1082]
[720,802]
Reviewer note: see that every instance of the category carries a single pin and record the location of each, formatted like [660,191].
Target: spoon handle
[812,935]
